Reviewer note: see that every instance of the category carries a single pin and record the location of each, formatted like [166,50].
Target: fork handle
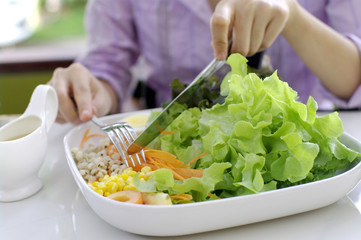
[98,122]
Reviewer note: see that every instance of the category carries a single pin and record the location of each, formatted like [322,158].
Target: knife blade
[173,109]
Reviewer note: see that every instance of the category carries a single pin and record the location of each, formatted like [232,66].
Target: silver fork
[121,134]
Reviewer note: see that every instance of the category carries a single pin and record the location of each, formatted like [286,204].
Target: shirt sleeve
[112,44]
[344,17]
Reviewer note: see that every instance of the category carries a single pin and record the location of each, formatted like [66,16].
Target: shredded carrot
[111,149]
[188,172]
[211,194]
[195,159]
[182,196]
[163,156]
[162,159]
[159,128]
[162,164]
[168,132]
[87,136]
[156,146]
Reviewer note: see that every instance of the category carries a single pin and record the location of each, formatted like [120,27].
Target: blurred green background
[64,22]
[58,20]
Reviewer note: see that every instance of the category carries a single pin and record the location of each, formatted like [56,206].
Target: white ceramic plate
[211,215]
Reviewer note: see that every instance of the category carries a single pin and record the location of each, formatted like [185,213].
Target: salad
[260,139]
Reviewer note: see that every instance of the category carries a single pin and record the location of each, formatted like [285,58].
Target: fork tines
[123,133]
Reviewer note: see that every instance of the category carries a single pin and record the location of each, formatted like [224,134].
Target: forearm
[333,58]
[112,49]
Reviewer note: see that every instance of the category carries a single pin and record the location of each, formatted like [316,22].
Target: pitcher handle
[44,104]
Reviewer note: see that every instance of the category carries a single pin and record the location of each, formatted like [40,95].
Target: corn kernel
[101,185]
[149,175]
[101,179]
[107,185]
[146,169]
[120,188]
[129,187]
[129,181]
[125,176]
[114,188]
[127,170]
[120,180]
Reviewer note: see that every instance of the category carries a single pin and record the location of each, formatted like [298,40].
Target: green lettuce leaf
[201,187]
[264,135]
[162,180]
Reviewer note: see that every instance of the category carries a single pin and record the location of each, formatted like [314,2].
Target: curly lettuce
[261,138]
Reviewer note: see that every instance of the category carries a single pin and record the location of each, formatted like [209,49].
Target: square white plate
[199,217]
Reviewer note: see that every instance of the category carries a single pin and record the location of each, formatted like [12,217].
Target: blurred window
[18,20]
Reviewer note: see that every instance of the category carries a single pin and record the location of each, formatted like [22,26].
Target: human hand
[81,95]
[253,25]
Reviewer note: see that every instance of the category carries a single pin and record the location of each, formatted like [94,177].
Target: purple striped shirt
[174,38]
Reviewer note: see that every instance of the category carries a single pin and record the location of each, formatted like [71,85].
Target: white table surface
[59,211]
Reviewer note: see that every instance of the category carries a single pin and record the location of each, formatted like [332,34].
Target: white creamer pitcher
[23,145]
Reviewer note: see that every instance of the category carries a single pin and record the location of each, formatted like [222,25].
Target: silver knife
[173,110]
